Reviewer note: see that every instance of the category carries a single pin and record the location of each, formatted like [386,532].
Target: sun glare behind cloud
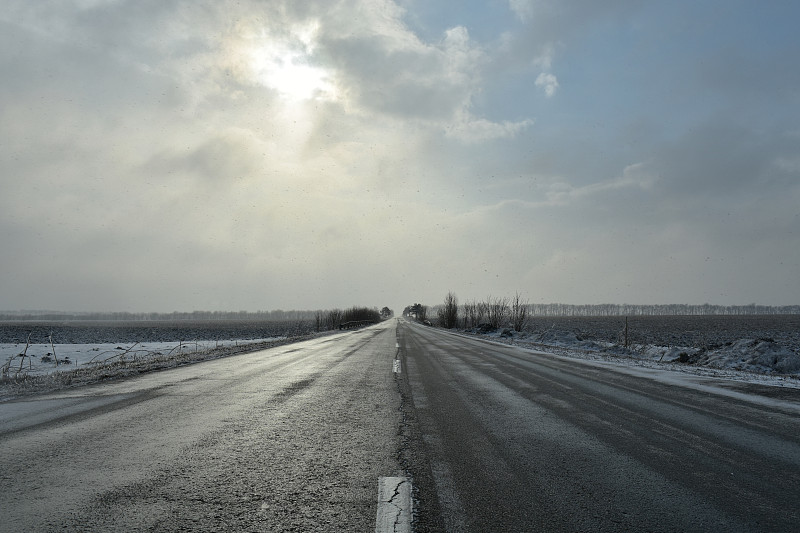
[286,66]
[288,74]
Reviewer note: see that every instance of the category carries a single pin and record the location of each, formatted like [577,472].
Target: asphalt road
[491,438]
[289,439]
[501,439]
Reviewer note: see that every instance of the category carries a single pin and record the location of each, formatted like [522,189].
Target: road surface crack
[393,504]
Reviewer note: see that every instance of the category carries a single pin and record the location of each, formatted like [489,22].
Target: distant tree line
[494,311]
[332,319]
[417,312]
[278,315]
[334,316]
[660,309]
[474,312]
[514,312]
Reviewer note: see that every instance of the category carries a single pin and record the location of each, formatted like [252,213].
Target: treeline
[334,318]
[494,312]
[659,309]
[515,312]
[277,315]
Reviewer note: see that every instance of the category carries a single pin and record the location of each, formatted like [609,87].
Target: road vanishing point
[401,427]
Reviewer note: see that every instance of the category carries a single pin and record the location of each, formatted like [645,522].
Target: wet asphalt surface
[493,438]
[509,440]
[288,439]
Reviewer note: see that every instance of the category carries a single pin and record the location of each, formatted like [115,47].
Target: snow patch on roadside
[754,355]
[760,361]
[41,358]
[93,363]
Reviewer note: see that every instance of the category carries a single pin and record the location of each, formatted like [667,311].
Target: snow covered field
[758,349]
[81,364]
[768,344]
[44,358]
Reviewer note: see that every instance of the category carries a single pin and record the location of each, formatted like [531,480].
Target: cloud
[723,158]
[636,177]
[400,76]
[386,70]
[472,130]
[545,58]
[789,164]
[152,156]
[523,9]
[548,82]
[547,28]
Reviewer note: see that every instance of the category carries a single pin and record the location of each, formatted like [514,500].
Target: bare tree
[470,314]
[474,320]
[497,311]
[481,310]
[448,314]
[333,319]
[519,312]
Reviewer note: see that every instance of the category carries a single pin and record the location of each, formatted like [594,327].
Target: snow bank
[764,356]
[753,355]
[81,364]
[40,358]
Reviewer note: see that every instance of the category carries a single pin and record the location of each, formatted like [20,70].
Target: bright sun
[286,67]
[292,78]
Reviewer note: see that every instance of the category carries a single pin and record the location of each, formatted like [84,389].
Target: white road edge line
[394,505]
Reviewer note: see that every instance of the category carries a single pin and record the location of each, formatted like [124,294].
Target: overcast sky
[164,155]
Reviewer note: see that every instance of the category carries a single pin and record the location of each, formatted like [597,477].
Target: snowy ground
[39,359]
[45,355]
[81,364]
[747,360]
[768,353]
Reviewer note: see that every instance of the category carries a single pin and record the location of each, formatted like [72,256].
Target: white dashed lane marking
[394,505]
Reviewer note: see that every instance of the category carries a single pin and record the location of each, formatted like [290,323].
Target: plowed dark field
[146,331]
[694,331]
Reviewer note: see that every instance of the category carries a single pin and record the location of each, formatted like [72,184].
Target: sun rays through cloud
[287,65]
